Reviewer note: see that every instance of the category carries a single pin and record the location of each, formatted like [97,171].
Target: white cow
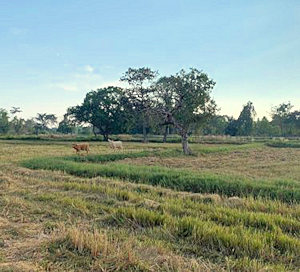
[115,144]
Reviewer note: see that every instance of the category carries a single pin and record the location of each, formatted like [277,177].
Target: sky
[52,52]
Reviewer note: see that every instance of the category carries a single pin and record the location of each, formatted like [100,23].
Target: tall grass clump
[143,217]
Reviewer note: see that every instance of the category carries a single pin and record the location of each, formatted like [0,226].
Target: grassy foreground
[127,212]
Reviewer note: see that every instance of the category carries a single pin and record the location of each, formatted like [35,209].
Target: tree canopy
[43,121]
[140,94]
[184,101]
[106,109]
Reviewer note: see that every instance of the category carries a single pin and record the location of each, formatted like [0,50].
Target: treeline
[279,126]
[284,123]
[178,104]
[43,123]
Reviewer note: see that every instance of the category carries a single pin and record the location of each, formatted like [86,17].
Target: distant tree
[43,121]
[66,126]
[279,115]
[217,125]
[293,123]
[29,126]
[190,101]
[4,121]
[139,93]
[17,125]
[265,128]
[245,121]
[232,127]
[106,109]
[84,130]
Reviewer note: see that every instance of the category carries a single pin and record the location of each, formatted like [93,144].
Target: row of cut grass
[120,156]
[230,240]
[182,207]
[182,180]
[234,240]
[232,216]
[286,144]
[95,185]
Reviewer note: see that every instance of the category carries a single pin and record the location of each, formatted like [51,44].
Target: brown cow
[84,147]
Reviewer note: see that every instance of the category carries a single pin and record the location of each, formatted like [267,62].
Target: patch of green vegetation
[232,216]
[121,156]
[182,180]
[206,149]
[233,240]
[284,144]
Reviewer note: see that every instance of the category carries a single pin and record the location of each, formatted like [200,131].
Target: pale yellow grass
[261,162]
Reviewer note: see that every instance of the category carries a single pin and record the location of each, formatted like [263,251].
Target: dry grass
[111,252]
[260,162]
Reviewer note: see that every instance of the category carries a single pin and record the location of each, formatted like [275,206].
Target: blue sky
[54,52]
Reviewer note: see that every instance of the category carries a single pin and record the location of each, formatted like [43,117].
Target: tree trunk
[185,144]
[105,137]
[166,134]
[281,128]
[145,136]
[94,131]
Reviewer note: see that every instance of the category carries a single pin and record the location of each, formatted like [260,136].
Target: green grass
[182,180]
[121,156]
[282,144]
[230,240]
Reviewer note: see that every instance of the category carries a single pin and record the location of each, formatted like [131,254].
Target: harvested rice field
[228,207]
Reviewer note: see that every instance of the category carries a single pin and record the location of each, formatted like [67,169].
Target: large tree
[140,93]
[106,109]
[189,101]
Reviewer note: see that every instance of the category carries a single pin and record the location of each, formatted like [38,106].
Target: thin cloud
[89,68]
[84,82]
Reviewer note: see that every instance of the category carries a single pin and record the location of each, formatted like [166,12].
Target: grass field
[229,207]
